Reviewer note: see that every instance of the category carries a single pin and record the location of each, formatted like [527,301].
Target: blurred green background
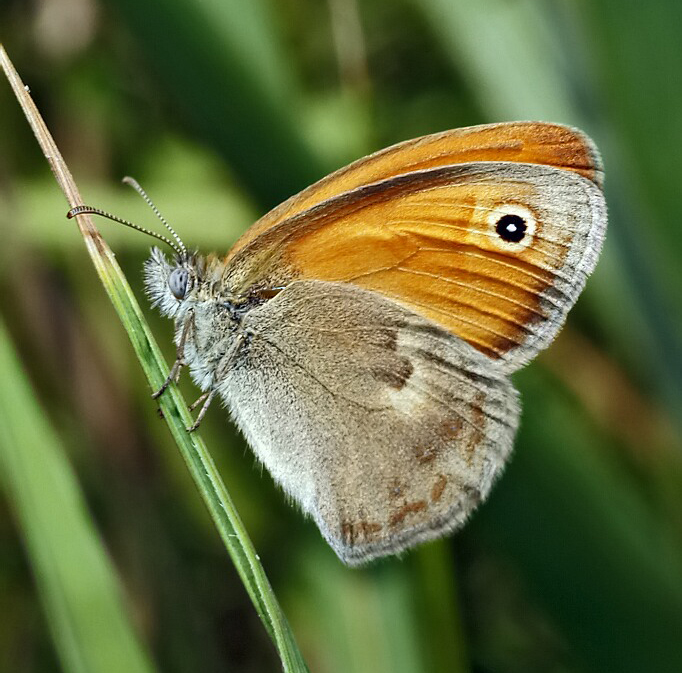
[221,109]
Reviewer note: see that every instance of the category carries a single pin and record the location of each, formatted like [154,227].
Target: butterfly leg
[171,378]
[198,401]
[179,363]
[219,375]
[207,399]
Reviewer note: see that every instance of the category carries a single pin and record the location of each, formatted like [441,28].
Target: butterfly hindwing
[384,427]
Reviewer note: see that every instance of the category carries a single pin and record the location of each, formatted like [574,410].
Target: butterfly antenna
[82,210]
[136,186]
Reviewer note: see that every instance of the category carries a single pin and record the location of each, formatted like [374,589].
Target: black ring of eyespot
[511,228]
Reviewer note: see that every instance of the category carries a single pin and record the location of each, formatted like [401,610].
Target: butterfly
[362,334]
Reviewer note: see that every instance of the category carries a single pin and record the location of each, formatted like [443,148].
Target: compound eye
[177,282]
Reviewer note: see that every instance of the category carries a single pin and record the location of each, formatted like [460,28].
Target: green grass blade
[78,585]
[440,622]
[192,448]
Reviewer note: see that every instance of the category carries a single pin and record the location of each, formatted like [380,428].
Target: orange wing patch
[427,243]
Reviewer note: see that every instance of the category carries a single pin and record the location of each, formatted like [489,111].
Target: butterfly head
[172,285]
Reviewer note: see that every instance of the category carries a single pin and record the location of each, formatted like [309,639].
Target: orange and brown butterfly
[362,333]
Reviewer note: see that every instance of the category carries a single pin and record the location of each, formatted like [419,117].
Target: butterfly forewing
[527,142]
[430,240]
